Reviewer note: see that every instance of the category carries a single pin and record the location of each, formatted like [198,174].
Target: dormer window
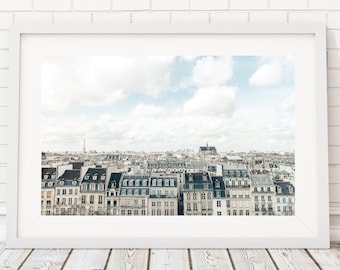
[102,177]
[125,183]
[291,190]
[94,177]
[166,183]
[45,176]
[74,183]
[205,178]
[137,183]
[279,190]
[159,183]
[100,187]
[131,183]
[42,184]
[53,176]
[61,183]
[87,177]
[218,184]
[50,184]
[145,183]
[153,182]
[172,182]
[92,187]
[191,179]
[84,186]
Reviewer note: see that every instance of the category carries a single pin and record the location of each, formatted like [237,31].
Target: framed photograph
[168,136]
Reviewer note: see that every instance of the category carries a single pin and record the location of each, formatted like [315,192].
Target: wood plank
[87,259]
[251,259]
[334,193]
[333,97]
[204,259]
[128,259]
[13,258]
[333,78]
[52,259]
[327,259]
[333,155]
[169,259]
[292,259]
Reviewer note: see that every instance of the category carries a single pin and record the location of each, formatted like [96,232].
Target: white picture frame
[309,228]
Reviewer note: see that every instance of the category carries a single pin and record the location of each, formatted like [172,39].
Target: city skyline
[234,103]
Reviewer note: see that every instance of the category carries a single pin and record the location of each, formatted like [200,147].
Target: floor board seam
[313,259]
[231,260]
[23,262]
[65,261]
[271,258]
[107,259]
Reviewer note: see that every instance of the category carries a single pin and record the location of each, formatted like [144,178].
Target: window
[218,203]
[219,213]
[75,201]
[92,186]
[87,177]
[70,191]
[166,203]
[172,193]
[278,200]
[195,206]
[94,177]
[137,183]
[61,183]
[129,212]
[135,212]
[189,206]
[289,200]
[172,182]
[153,212]
[50,184]
[239,182]
[255,189]
[159,204]
[159,183]
[166,212]
[84,186]
[92,199]
[69,201]
[234,213]
[102,177]
[172,203]
[241,212]
[64,192]
[159,193]
[209,196]
[74,183]
[49,194]
[247,212]
[256,198]
[145,183]
[122,213]
[76,192]
[83,199]
[172,212]
[284,200]
[268,189]
[159,213]
[58,191]
[240,203]
[194,196]
[234,203]
[210,206]
[203,196]
[48,204]
[233,183]
[153,204]
[101,187]
[100,199]
[42,184]
[188,196]
[143,213]
[130,184]
[135,202]
[270,198]
[63,201]
[279,209]
[125,183]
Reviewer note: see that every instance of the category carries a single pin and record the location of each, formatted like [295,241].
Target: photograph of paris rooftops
[168,136]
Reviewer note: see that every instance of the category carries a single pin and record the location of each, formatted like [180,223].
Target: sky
[168,103]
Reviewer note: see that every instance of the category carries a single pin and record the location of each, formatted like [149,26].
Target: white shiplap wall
[177,11]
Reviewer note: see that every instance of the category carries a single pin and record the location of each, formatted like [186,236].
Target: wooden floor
[77,259]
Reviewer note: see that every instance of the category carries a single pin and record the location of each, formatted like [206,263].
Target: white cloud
[147,110]
[100,81]
[289,103]
[210,71]
[212,101]
[272,71]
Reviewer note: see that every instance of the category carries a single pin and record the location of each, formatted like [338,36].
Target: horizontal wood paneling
[3,135]
[334,191]
[3,116]
[3,154]
[333,76]
[334,173]
[3,174]
[3,192]
[4,58]
[333,39]
[333,96]
[333,58]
